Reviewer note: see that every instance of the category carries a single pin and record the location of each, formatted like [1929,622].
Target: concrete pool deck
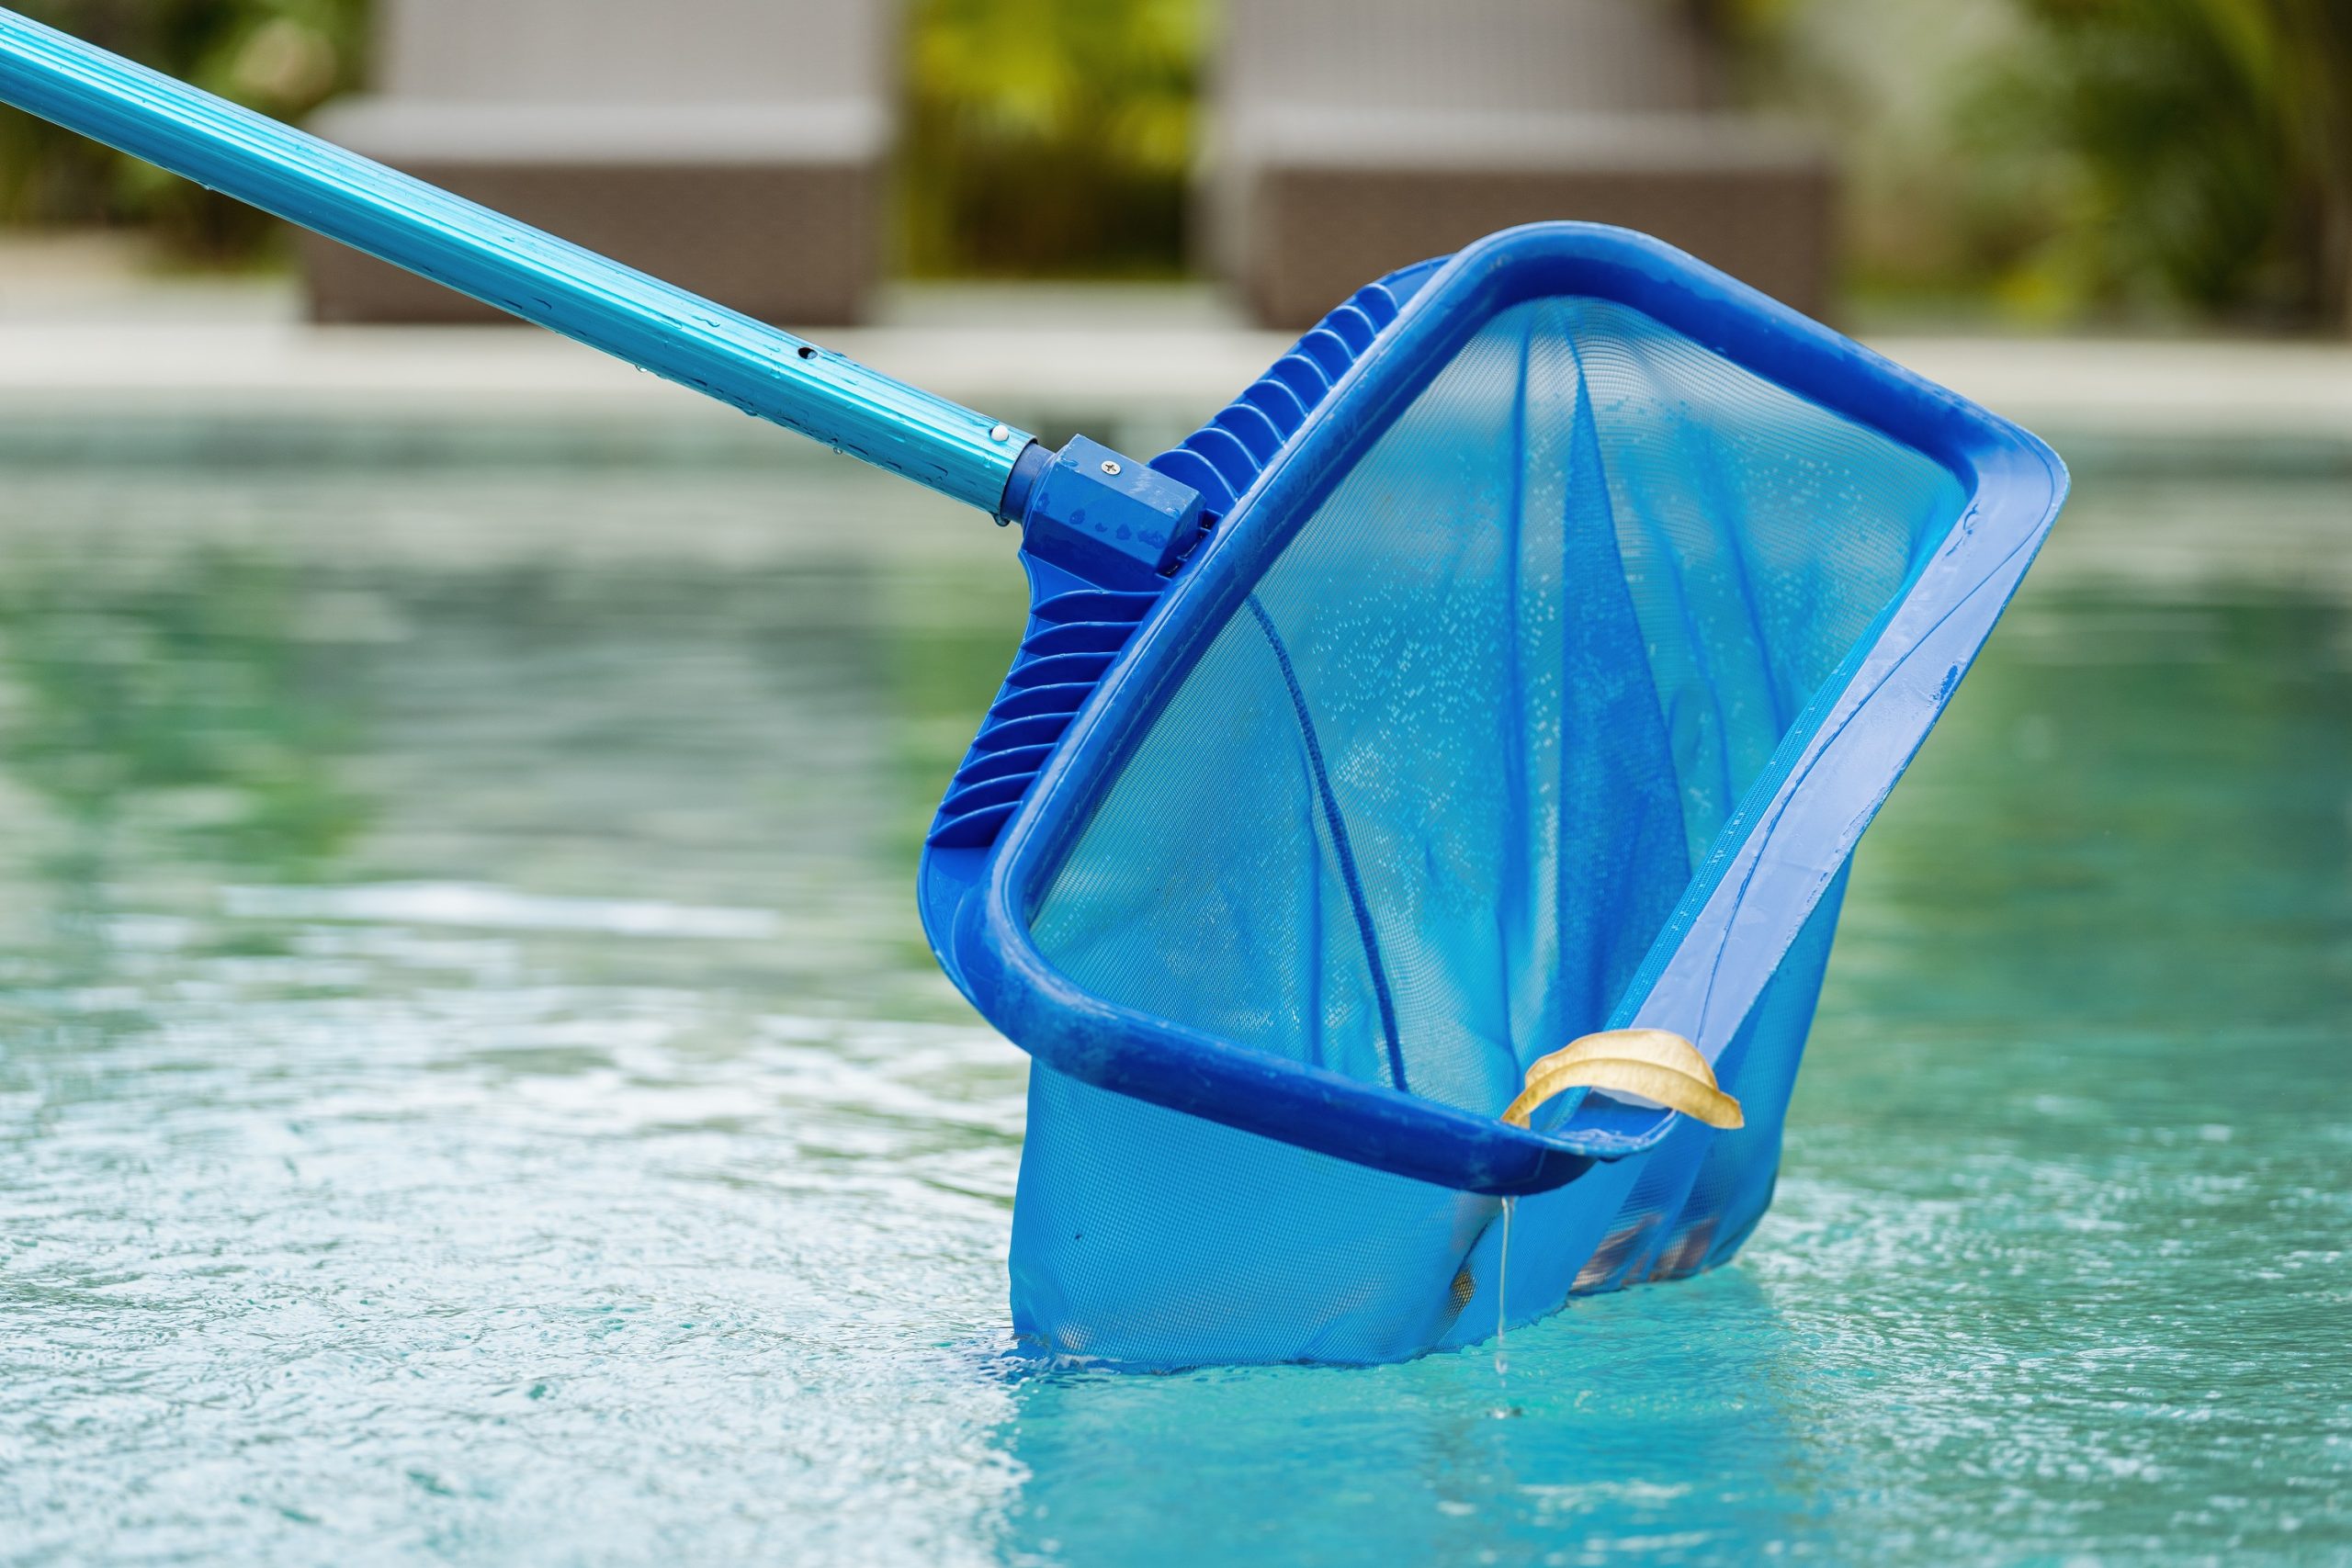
[84,331]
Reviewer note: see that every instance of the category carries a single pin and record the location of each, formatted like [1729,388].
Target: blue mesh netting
[1419,813]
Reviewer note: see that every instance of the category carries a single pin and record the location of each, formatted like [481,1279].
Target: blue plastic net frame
[1781,853]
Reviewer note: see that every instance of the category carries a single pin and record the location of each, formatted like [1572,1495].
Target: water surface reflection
[473,1090]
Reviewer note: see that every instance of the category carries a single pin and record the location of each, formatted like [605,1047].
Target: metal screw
[1001,433]
[1109,466]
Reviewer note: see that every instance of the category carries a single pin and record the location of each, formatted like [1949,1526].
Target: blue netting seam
[1340,847]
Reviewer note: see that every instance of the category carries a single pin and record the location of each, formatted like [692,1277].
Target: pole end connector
[1102,515]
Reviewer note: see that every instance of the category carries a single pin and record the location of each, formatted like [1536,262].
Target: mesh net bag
[1537,678]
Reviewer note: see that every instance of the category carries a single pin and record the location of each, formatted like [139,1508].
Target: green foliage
[2192,152]
[282,57]
[1050,135]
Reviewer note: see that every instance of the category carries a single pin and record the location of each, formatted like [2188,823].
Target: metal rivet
[1001,433]
[1109,466]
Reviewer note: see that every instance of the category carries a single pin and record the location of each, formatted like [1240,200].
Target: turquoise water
[472,1089]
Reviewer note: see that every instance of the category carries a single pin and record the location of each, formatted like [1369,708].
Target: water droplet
[1502,1274]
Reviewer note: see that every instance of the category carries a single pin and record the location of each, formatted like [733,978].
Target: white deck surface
[81,329]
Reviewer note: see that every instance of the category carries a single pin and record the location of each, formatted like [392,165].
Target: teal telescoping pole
[1099,515]
[517,268]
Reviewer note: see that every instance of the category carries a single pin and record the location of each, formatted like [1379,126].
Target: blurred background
[2143,163]
[474,1088]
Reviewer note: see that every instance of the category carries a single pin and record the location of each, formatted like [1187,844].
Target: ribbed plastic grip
[1073,636]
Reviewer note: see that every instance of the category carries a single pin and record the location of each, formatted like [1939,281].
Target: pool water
[472,1087]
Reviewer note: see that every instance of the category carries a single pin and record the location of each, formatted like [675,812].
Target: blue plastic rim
[1782,851]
